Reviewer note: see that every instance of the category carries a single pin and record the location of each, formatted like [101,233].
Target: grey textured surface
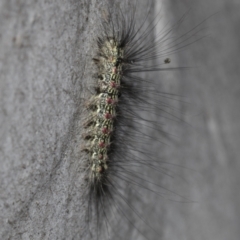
[45,65]
[44,50]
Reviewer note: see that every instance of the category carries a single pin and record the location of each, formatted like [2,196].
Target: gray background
[45,69]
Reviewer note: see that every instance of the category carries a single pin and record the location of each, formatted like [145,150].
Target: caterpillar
[121,121]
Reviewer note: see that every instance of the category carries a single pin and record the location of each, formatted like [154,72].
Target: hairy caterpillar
[122,121]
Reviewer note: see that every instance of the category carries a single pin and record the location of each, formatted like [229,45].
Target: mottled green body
[102,107]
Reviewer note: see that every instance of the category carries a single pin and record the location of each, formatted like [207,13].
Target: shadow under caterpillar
[124,128]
